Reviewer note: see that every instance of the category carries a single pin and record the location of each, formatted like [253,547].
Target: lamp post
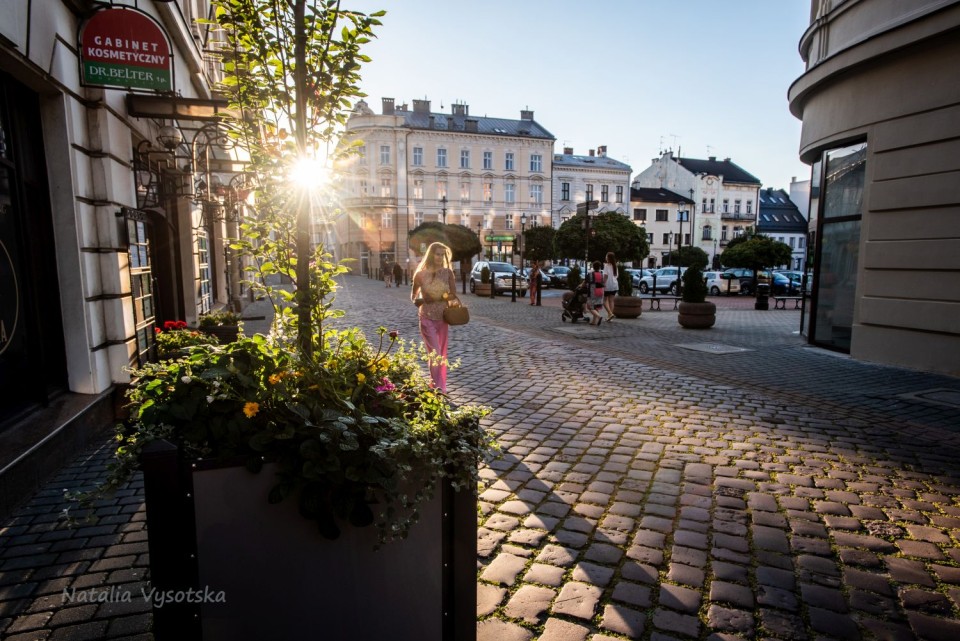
[523,226]
[380,250]
[480,240]
[443,210]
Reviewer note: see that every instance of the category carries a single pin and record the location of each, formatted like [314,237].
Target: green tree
[538,243]
[688,257]
[461,240]
[610,231]
[756,253]
[289,67]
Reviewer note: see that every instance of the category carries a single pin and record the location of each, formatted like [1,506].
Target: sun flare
[309,173]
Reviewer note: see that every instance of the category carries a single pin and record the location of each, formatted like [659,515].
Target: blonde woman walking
[433,287]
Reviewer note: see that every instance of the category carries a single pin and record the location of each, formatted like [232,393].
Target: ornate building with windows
[880,107]
[661,213]
[111,220]
[411,166]
[596,176]
[724,196]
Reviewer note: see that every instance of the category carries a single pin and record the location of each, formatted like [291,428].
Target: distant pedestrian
[534,281]
[611,284]
[434,287]
[594,281]
[388,274]
[397,274]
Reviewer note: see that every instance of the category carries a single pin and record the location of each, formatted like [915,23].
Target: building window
[640,214]
[604,193]
[204,273]
[488,160]
[749,206]
[418,156]
[363,187]
[564,191]
[793,242]
[384,154]
[464,159]
[488,192]
[509,195]
[589,191]
[737,232]
[619,193]
[712,205]
[508,161]
[726,206]
[723,233]
[736,206]
[418,189]
[666,238]
[800,242]
[362,154]
[491,219]
[465,219]
[386,221]
[650,239]
[508,221]
[441,157]
[707,232]
[386,187]
[686,239]
[536,163]
[464,192]
[663,215]
[536,194]
[417,218]
[441,189]
[703,207]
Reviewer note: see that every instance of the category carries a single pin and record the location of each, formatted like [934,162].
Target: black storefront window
[838,246]
[32,361]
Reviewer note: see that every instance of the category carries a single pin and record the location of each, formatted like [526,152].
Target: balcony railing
[733,216]
[370,201]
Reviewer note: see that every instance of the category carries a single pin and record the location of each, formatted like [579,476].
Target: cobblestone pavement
[645,490]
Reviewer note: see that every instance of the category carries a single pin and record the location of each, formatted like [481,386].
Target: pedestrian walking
[594,281]
[434,286]
[388,274]
[534,281]
[611,284]
[397,274]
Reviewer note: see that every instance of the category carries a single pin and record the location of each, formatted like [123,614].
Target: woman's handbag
[456,314]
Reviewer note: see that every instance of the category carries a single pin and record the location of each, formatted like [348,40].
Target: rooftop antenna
[660,151]
[674,136]
[709,149]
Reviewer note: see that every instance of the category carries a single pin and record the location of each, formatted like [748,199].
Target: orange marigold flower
[251,409]
[274,378]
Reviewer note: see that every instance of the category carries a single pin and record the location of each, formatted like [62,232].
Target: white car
[721,283]
[665,279]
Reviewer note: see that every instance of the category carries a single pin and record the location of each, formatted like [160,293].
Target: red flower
[181,324]
[394,334]
[157,330]
[169,324]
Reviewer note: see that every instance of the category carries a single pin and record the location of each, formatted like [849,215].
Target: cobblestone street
[645,490]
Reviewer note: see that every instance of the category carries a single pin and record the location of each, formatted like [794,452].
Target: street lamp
[380,249]
[479,240]
[443,202]
[523,226]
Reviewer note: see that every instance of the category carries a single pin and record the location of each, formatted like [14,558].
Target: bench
[780,302]
[657,299]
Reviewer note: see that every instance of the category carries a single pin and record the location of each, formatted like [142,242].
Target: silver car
[502,274]
[666,279]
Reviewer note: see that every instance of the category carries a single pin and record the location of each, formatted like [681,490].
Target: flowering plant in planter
[219,318]
[175,337]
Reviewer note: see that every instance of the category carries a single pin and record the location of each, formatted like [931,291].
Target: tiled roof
[778,213]
[600,162]
[730,171]
[656,195]
[487,126]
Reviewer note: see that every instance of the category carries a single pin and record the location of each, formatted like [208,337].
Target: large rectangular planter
[261,571]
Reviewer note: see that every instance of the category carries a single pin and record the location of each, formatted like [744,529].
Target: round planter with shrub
[625,304]
[695,311]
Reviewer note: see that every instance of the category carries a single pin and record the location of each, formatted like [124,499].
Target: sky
[702,77]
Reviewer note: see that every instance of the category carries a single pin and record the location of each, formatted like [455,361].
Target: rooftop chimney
[461,110]
[470,124]
[602,151]
[591,153]
[712,159]
[421,106]
[568,151]
[526,115]
[387,106]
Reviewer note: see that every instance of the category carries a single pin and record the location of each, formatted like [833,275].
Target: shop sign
[497,238]
[125,48]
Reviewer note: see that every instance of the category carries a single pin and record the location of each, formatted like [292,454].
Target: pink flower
[385,386]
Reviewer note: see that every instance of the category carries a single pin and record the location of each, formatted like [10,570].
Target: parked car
[796,278]
[559,275]
[746,278]
[781,285]
[665,278]
[501,273]
[638,275]
[546,280]
[721,283]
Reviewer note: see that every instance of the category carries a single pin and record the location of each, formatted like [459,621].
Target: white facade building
[661,213]
[725,196]
[596,176]
[416,165]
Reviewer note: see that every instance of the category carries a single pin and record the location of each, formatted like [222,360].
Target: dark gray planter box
[211,529]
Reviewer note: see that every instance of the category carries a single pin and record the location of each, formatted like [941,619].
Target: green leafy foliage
[485,275]
[219,318]
[694,288]
[756,252]
[462,241]
[172,342]
[538,243]
[624,281]
[612,232]
[574,278]
[688,257]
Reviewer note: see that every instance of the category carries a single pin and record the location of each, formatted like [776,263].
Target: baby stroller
[573,303]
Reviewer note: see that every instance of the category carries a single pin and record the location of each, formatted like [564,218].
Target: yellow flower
[361,378]
[274,378]
[251,409]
